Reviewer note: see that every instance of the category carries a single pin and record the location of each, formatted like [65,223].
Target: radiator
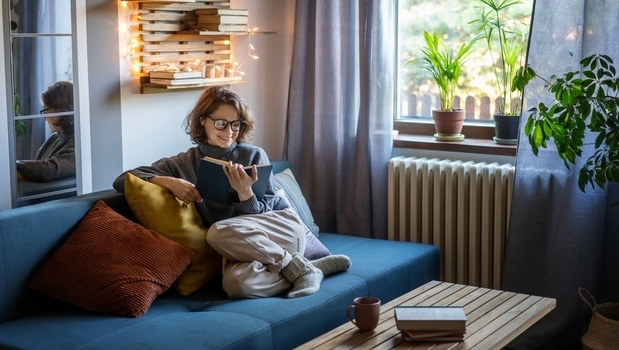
[461,207]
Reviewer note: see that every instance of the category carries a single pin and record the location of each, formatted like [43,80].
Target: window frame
[8,36]
[419,133]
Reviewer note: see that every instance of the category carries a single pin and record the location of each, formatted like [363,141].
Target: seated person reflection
[56,157]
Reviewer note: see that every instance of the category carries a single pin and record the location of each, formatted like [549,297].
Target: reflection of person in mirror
[56,157]
[262,241]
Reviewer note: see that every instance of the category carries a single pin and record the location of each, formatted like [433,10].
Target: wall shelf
[166,36]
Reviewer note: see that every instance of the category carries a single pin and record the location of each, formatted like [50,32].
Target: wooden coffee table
[495,318]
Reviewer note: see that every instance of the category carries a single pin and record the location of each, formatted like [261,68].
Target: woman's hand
[181,189]
[240,181]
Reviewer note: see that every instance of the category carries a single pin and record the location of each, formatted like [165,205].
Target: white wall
[152,123]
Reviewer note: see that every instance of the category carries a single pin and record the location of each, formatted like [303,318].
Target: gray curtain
[27,85]
[340,111]
[560,238]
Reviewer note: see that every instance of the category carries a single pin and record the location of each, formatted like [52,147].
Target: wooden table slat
[519,324]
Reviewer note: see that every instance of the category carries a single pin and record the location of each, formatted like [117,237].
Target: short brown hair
[59,97]
[211,99]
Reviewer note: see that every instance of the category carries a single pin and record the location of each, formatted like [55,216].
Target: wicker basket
[603,332]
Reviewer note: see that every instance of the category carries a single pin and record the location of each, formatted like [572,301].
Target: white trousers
[255,248]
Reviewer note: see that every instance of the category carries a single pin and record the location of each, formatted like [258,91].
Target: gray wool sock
[305,278]
[332,263]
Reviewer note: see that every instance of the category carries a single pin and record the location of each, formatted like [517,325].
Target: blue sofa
[204,320]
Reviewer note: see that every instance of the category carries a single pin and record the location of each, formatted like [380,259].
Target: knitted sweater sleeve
[184,166]
[55,160]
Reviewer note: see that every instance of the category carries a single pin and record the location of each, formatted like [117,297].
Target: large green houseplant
[583,101]
[506,39]
[444,66]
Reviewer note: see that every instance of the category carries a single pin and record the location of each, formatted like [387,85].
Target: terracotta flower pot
[448,123]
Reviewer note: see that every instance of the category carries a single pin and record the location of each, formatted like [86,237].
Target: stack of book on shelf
[431,323]
[222,20]
[171,78]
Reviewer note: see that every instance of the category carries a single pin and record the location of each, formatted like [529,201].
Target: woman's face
[52,122]
[225,137]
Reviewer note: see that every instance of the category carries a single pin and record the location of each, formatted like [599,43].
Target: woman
[56,157]
[262,241]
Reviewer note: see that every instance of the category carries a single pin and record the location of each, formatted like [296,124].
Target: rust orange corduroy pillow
[111,264]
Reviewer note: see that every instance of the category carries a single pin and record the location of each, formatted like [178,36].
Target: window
[40,40]
[477,91]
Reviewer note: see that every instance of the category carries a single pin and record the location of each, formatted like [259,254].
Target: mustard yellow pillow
[157,209]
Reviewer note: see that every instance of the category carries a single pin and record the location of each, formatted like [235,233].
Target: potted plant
[507,43]
[587,102]
[444,66]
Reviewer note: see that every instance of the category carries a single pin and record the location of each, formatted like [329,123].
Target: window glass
[50,57]
[477,90]
[40,16]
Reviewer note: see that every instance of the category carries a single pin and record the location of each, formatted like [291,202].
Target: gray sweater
[54,160]
[185,165]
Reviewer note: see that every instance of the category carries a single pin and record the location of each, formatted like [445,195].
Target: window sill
[478,139]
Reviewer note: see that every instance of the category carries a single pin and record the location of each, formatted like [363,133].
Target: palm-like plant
[507,44]
[443,65]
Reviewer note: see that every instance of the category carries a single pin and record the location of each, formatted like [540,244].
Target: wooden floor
[494,318]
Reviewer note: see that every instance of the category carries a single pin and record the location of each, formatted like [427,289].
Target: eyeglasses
[221,124]
[43,111]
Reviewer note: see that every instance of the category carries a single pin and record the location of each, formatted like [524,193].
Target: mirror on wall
[41,71]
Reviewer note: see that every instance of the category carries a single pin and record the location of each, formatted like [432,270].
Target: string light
[125,28]
[250,48]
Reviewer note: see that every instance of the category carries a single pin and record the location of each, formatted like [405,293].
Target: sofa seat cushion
[166,326]
[390,268]
[381,268]
[292,321]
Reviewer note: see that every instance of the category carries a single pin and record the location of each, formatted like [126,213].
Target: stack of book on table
[222,20]
[171,78]
[431,323]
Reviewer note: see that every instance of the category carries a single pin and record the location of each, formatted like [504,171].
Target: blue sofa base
[204,320]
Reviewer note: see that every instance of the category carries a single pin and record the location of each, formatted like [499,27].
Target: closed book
[213,183]
[175,75]
[188,81]
[217,19]
[223,27]
[422,318]
[219,11]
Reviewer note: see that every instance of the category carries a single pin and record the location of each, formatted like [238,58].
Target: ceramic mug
[366,313]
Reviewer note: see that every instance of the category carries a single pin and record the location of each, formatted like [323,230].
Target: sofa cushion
[285,180]
[314,249]
[390,268]
[166,326]
[380,268]
[156,208]
[111,264]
